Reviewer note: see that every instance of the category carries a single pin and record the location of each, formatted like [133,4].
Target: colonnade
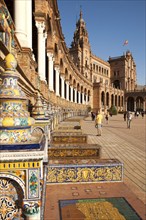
[23,22]
[57,81]
[135,103]
[107,100]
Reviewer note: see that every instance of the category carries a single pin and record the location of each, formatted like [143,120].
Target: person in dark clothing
[106,118]
[124,116]
[93,116]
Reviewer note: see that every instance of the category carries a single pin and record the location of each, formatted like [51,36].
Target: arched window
[117,84]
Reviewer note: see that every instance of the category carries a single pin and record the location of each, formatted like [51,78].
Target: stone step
[84,170]
[67,131]
[69,127]
[74,150]
[74,119]
[68,138]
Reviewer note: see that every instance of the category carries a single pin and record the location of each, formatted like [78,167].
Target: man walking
[98,123]
[129,118]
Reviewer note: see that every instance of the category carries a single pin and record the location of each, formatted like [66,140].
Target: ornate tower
[123,72]
[80,48]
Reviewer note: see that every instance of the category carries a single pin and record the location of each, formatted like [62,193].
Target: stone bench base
[88,170]
[67,138]
[66,150]
[68,128]
[73,119]
[66,131]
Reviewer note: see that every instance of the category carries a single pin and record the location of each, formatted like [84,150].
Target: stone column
[86,99]
[41,50]
[109,104]
[99,107]
[21,13]
[105,101]
[114,100]
[57,80]
[75,96]
[31,210]
[144,105]
[51,71]
[67,90]
[62,87]
[29,22]
[134,104]
[71,94]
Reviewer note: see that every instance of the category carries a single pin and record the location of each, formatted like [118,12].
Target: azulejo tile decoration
[15,136]
[33,183]
[38,110]
[85,173]
[31,208]
[72,152]
[8,196]
[15,121]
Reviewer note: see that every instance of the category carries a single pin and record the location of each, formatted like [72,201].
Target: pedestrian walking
[137,114]
[124,116]
[129,118]
[142,114]
[106,118]
[93,116]
[98,123]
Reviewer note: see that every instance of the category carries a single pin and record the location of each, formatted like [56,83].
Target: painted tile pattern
[33,183]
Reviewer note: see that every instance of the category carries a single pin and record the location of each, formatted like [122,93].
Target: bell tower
[80,47]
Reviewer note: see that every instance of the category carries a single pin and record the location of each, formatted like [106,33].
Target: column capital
[31,209]
[62,76]
[57,68]
[67,81]
[50,56]
[45,35]
[40,26]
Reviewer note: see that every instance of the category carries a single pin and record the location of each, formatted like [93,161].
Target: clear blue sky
[109,23]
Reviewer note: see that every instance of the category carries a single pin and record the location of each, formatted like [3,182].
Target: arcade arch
[130,104]
[11,197]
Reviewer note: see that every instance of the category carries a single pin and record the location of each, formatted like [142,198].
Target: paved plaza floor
[127,145]
[117,141]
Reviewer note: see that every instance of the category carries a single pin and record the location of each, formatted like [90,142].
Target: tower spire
[81,12]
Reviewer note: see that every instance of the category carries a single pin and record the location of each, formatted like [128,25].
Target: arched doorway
[130,104]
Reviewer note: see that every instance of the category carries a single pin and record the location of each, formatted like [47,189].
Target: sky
[109,23]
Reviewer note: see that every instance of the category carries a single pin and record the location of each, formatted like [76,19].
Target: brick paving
[127,145]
